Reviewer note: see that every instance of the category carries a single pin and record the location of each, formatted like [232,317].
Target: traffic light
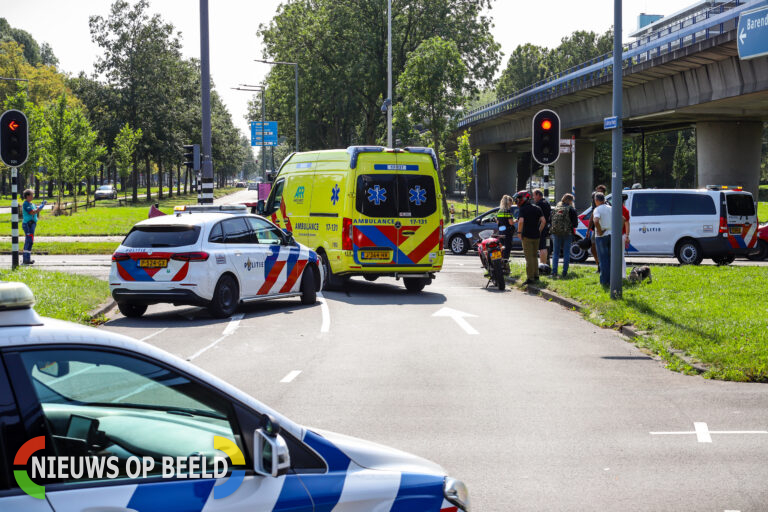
[546,137]
[192,156]
[14,145]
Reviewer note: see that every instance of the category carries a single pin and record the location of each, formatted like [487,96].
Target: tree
[685,157]
[464,158]
[58,144]
[526,66]
[86,153]
[123,152]
[433,85]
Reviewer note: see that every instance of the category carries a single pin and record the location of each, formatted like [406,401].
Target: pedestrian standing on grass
[591,233]
[602,218]
[29,223]
[564,222]
[530,224]
[546,210]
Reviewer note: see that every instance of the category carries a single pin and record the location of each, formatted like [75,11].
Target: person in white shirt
[602,219]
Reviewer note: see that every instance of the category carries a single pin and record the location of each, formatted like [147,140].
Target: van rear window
[740,204]
[396,195]
[162,236]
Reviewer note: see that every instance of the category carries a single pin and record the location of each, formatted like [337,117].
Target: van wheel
[458,244]
[578,255]
[226,298]
[131,310]
[370,278]
[332,281]
[308,293]
[414,284]
[688,252]
[724,260]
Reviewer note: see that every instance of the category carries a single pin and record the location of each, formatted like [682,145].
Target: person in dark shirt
[546,210]
[530,224]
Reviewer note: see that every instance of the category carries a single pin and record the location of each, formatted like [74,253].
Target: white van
[716,222]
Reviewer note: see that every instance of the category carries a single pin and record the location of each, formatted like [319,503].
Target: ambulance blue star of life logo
[335,194]
[418,195]
[377,195]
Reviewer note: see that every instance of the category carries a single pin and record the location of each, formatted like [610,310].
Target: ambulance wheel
[414,284]
[131,310]
[332,281]
[370,278]
[458,244]
[724,260]
[688,252]
[762,253]
[226,298]
[308,293]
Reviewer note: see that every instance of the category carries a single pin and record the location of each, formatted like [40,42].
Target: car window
[104,404]
[377,195]
[692,204]
[265,232]
[740,204]
[217,234]
[416,195]
[275,197]
[650,205]
[236,231]
[105,187]
[489,217]
[162,236]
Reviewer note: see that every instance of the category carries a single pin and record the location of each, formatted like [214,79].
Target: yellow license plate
[495,255]
[153,263]
[376,255]
[735,230]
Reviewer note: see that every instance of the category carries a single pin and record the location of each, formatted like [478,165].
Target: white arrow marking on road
[228,331]
[703,434]
[743,35]
[459,318]
[291,375]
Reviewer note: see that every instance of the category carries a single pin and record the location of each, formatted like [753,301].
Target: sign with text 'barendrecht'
[752,33]
[264,133]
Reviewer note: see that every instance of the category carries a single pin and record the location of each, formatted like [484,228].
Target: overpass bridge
[685,74]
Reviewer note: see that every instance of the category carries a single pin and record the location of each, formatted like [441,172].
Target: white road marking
[704,435]
[228,331]
[326,325]
[291,375]
[145,338]
[458,317]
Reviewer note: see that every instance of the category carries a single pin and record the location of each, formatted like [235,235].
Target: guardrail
[704,25]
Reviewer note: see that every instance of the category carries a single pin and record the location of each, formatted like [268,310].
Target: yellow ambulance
[367,211]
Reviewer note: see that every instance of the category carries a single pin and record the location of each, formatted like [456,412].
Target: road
[533,407]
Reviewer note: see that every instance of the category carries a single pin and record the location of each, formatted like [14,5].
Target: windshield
[740,204]
[105,187]
[396,195]
[162,236]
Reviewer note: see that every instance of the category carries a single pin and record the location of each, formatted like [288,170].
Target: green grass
[458,204]
[718,315]
[762,212]
[59,295]
[67,247]
[105,219]
[5,200]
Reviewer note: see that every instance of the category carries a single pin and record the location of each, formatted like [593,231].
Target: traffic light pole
[14,218]
[205,196]
[546,182]
[617,219]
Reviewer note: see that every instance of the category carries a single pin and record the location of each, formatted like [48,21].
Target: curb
[627,330]
[103,309]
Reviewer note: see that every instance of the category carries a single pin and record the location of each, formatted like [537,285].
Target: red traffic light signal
[13,125]
[546,124]
[545,139]
[14,144]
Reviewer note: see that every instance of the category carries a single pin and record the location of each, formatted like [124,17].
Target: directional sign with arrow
[753,33]
[459,317]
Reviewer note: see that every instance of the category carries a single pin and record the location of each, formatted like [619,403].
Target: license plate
[153,263]
[735,230]
[495,255]
[375,255]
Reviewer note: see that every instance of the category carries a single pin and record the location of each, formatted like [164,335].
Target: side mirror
[260,208]
[288,237]
[53,368]
[271,457]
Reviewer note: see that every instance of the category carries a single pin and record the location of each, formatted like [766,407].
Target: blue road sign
[752,33]
[264,133]
[609,123]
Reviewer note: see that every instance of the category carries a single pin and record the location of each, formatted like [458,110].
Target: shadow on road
[366,293]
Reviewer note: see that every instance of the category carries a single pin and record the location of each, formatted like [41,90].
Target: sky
[234,23]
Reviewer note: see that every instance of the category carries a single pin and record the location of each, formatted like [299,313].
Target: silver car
[105,192]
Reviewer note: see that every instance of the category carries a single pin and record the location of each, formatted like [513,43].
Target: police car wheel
[131,310]
[578,255]
[226,297]
[688,252]
[308,293]
[414,284]
[458,244]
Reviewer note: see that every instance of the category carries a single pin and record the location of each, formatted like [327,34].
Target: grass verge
[67,247]
[715,314]
[59,295]
[762,212]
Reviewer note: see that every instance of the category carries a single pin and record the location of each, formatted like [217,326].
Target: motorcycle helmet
[523,196]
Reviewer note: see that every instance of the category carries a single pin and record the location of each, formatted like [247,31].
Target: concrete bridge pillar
[585,159]
[502,173]
[728,153]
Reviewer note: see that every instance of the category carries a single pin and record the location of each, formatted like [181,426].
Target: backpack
[561,220]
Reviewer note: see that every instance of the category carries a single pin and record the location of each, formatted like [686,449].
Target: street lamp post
[389,73]
[296,90]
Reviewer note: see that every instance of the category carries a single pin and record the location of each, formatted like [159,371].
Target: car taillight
[442,237]
[120,256]
[346,234]
[723,225]
[190,256]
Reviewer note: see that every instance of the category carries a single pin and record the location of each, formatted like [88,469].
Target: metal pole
[389,73]
[573,168]
[616,156]
[206,195]
[14,218]
[546,182]
[477,196]
[296,89]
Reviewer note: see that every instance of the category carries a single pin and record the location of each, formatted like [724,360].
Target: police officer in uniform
[506,227]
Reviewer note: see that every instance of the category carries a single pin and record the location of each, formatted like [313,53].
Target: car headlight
[456,492]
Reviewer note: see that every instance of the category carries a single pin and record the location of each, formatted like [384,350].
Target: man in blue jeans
[29,223]
[602,219]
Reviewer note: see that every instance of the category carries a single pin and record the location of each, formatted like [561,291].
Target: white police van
[690,224]
[212,256]
[79,405]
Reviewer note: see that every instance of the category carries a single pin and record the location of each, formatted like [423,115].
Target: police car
[79,404]
[212,256]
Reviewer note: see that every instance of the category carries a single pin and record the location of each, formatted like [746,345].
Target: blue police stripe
[293,496]
[133,269]
[230,484]
[293,257]
[274,251]
[377,237]
[179,496]
[326,489]
[419,493]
